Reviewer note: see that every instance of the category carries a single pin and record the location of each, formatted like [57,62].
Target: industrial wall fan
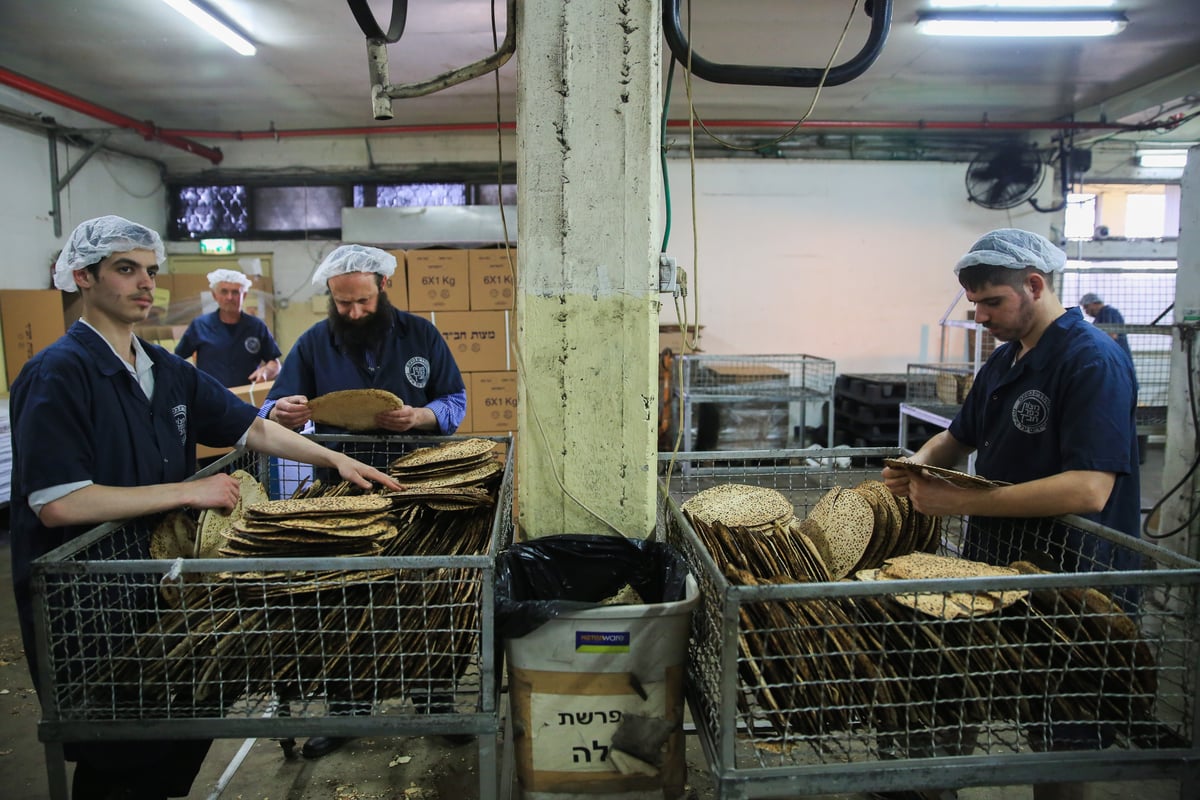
[1004,177]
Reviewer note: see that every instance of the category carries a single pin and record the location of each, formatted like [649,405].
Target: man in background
[105,427]
[1102,314]
[234,347]
[1051,414]
[366,343]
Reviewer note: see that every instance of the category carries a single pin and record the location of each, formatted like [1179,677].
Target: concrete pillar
[588,105]
[1180,449]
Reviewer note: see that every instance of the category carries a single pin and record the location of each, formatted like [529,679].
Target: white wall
[846,260]
[107,184]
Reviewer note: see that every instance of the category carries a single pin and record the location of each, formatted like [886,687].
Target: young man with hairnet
[1051,412]
[366,343]
[104,427]
[234,347]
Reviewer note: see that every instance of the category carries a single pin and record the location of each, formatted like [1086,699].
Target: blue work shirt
[1110,316]
[228,352]
[1069,404]
[77,414]
[413,362]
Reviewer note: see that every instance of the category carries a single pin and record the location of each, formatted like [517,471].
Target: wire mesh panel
[939,388]
[735,402]
[131,647]
[920,683]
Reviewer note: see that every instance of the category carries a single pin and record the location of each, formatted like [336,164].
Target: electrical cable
[800,122]
[1187,334]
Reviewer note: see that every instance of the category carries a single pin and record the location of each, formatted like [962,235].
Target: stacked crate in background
[468,295]
[867,411]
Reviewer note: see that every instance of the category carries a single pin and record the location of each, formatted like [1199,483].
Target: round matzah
[739,505]
[353,409]
[173,537]
[214,523]
[848,521]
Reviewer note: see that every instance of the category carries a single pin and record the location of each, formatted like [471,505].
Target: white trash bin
[596,698]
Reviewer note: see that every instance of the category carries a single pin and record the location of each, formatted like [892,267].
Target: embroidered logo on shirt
[180,414]
[253,345]
[1031,412]
[417,371]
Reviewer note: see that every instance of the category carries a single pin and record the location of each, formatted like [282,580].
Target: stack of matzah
[860,528]
[464,462]
[335,526]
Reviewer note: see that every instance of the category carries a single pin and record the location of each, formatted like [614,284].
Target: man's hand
[215,491]
[407,418]
[361,475]
[935,497]
[291,412]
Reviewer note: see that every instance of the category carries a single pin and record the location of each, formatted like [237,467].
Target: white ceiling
[143,60]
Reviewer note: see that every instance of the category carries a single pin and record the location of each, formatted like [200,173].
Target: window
[278,211]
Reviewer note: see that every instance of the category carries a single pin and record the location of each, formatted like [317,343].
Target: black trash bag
[538,580]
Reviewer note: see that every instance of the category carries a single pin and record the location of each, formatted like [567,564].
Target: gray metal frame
[749,756]
[77,586]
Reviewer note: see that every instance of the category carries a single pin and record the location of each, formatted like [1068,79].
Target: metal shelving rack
[774,391]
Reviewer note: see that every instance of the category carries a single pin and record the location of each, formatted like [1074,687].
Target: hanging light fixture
[208,20]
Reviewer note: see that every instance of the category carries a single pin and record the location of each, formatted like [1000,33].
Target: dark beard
[366,333]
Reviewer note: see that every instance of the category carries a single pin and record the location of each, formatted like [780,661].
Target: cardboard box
[492,397]
[397,289]
[188,294]
[493,285]
[252,393]
[477,339]
[31,320]
[438,280]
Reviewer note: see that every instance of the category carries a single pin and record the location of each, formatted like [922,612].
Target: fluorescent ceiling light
[962,23]
[204,19]
[1162,158]
[1009,5]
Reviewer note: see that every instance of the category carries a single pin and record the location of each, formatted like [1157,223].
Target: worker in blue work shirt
[366,343]
[1050,414]
[104,427]
[234,347]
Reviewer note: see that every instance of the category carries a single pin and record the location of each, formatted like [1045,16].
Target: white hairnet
[218,276]
[1015,249]
[96,239]
[355,258]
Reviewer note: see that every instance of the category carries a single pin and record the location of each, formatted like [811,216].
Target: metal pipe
[148,130]
[181,138]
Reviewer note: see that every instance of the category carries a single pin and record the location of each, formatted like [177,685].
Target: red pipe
[148,130]
[468,127]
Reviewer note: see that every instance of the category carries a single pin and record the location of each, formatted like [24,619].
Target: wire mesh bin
[133,648]
[734,402]
[828,687]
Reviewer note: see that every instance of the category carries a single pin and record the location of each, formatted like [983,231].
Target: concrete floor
[412,768]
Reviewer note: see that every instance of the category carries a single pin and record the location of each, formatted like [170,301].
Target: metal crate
[407,643]
[743,402]
[980,716]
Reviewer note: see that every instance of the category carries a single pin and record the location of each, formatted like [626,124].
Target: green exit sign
[214,247]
